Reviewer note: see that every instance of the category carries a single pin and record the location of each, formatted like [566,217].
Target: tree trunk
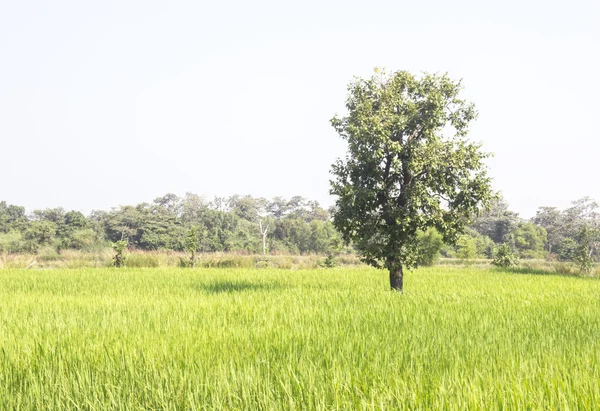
[396,278]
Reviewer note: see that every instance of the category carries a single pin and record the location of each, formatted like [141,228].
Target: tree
[120,257]
[430,244]
[484,246]
[466,248]
[504,257]
[192,245]
[409,167]
[498,222]
[12,217]
[564,228]
[552,220]
[588,241]
[263,233]
[39,233]
[530,240]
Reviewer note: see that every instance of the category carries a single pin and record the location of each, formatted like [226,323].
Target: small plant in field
[585,248]
[192,245]
[119,259]
[329,261]
[504,257]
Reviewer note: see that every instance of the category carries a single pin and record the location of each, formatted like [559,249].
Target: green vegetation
[504,257]
[233,225]
[318,339]
[409,167]
[120,257]
[192,246]
[299,227]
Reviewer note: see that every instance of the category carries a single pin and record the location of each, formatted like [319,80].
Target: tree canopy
[409,167]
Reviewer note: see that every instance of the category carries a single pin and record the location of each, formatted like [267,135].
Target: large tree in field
[409,167]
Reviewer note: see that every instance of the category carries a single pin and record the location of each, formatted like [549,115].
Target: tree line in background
[288,226]
[234,224]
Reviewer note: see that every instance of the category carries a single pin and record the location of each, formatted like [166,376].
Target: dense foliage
[504,257]
[296,226]
[409,167]
[191,224]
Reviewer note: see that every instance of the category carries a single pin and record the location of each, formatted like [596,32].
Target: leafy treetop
[409,166]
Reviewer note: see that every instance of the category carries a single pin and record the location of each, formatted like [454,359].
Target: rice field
[172,339]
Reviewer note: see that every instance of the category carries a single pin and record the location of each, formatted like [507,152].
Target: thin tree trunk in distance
[264,236]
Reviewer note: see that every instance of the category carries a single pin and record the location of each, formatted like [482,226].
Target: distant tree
[278,207]
[530,240]
[505,257]
[430,244]
[39,233]
[466,248]
[483,244]
[192,245]
[588,239]
[247,207]
[75,220]
[497,222]
[54,215]
[193,210]
[170,203]
[324,239]
[119,258]
[12,217]
[409,167]
[263,233]
[10,242]
[567,249]
[564,228]
[83,239]
[551,219]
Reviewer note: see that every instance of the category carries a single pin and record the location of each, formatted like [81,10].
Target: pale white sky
[117,102]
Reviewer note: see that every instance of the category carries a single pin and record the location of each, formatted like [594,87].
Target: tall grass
[305,339]
[49,258]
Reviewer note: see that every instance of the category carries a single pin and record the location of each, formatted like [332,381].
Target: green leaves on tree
[409,167]
[120,257]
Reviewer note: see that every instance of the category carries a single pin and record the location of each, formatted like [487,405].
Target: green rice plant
[319,339]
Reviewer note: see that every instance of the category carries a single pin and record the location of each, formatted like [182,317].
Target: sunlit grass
[315,339]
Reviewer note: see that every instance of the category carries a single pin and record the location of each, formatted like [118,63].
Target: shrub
[430,243]
[504,257]
[192,245]
[120,257]
[328,262]
[466,248]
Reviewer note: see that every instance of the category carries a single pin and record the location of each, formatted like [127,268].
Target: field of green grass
[252,339]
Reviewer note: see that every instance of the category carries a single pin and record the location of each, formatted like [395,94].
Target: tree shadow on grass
[220,287]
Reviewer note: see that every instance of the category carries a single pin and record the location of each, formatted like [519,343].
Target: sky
[107,103]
